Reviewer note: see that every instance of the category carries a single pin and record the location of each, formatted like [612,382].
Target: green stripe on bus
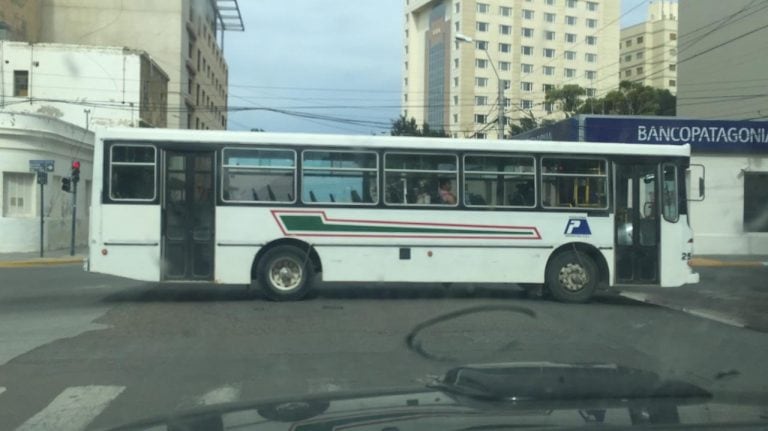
[312,223]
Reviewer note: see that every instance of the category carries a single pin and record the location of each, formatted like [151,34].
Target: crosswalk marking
[220,395]
[73,409]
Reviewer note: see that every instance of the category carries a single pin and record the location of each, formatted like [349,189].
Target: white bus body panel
[676,251]
[130,234]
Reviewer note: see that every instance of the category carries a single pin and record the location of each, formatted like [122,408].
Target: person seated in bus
[445,191]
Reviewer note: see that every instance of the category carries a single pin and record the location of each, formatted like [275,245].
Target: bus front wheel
[572,277]
[284,273]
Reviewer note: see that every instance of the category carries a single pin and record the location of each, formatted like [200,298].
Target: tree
[408,127]
[568,97]
[632,98]
[524,124]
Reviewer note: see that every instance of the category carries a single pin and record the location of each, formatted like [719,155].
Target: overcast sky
[317,59]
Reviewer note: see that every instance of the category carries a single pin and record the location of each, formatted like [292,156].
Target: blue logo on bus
[577,226]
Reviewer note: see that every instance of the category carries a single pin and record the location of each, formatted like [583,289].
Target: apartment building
[721,70]
[184,37]
[455,48]
[19,20]
[649,50]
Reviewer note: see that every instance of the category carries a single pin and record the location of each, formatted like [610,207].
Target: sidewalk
[50,257]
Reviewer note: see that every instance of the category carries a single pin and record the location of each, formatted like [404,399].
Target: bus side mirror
[695,176]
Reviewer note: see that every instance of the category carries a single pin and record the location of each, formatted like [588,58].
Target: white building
[25,137]
[534,45]
[649,49]
[84,85]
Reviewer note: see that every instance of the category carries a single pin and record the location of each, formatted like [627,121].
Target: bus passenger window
[259,175]
[499,181]
[420,179]
[574,183]
[340,177]
[132,173]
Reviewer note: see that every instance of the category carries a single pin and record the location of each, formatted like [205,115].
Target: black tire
[572,277]
[285,273]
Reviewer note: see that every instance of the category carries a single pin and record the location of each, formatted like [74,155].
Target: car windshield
[405,214]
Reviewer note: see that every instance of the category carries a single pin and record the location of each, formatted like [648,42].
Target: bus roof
[229,138]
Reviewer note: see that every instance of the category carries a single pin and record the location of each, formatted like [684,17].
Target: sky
[315,61]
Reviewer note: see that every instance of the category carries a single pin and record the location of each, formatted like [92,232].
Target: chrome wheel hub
[573,277]
[285,274]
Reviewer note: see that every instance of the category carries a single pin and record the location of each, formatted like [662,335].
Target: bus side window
[133,173]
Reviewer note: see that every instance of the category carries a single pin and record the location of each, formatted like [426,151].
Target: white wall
[718,220]
[104,80]
[25,137]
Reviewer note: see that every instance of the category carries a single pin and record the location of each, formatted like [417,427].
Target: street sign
[41,165]
[42,178]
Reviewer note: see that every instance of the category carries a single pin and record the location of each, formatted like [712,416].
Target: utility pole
[87,118]
[42,167]
[500,123]
[75,177]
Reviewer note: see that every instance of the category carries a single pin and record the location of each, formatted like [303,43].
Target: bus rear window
[259,175]
[132,173]
[574,183]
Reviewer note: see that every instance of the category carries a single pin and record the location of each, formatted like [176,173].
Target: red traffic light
[76,165]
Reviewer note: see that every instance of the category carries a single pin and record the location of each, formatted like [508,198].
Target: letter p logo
[577,226]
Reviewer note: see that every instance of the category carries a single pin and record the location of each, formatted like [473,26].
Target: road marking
[222,395]
[73,409]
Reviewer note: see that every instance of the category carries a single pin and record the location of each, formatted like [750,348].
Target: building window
[592,6]
[570,55]
[570,20]
[639,40]
[456,63]
[526,86]
[505,29]
[547,87]
[505,47]
[549,70]
[527,32]
[482,26]
[17,194]
[628,43]
[591,40]
[526,104]
[481,63]
[505,66]
[505,11]
[672,83]
[590,74]
[550,17]
[481,100]
[549,52]
[506,84]
[481,45]
[672,67]
[639,70]
[527,50]
[628,58]
[628,72]
[527,14]
[591,23]
[481,82]
[21,83]
[570,73]
[480,119]
[480,135]
[483,8]
[673,36]
[639,56]
[456,81]
[527,68]
[590,58]
[549,35]
[755,201]
[570,38]
[571,3]
[550,2]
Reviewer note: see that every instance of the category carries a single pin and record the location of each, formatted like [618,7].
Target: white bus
[275,210]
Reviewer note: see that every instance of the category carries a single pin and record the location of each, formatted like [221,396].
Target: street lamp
[466,39]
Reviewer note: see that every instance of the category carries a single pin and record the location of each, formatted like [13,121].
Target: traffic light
[75,171]
[66,184]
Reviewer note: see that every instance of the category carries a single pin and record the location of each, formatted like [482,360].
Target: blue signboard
[703,135]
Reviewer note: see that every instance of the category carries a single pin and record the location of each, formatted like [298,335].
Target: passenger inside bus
[446,194]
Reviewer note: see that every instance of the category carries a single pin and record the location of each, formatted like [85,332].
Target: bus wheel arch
[579,258]
[297,256]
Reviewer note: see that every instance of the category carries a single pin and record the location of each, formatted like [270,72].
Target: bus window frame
[606,176]
[113,163]
[532,174]
[223,173]
[457,172]
[677,198]
[356,204]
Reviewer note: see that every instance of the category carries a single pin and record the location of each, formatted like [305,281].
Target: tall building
[453,47]
[111,86]
[185,37]
[722,61]
[649,49]
[19,20]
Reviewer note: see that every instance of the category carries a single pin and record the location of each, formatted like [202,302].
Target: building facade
[20,20]
[455,48]
[25,137]
[87,86]
[648,50]
[722,64]
[184,37]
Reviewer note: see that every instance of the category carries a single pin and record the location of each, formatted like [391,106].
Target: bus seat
[356,196]
[312,196]
[255,195]
[271,193]
[475,199]
[332,198]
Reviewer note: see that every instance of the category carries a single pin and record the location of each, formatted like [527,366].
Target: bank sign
[703,135]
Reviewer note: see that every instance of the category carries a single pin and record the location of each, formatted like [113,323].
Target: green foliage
[632,98]
[568,97]
[408,127]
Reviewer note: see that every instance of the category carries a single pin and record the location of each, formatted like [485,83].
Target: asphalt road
[82,351]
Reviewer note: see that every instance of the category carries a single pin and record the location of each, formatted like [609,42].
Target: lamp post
[466,39]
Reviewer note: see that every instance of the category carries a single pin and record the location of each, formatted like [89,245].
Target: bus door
[188,215]
[637,228]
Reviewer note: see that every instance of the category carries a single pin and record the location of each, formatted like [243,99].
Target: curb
[703,262]
[69,260]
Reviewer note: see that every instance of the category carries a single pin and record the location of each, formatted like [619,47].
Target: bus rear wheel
[284,273]
[572,277]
